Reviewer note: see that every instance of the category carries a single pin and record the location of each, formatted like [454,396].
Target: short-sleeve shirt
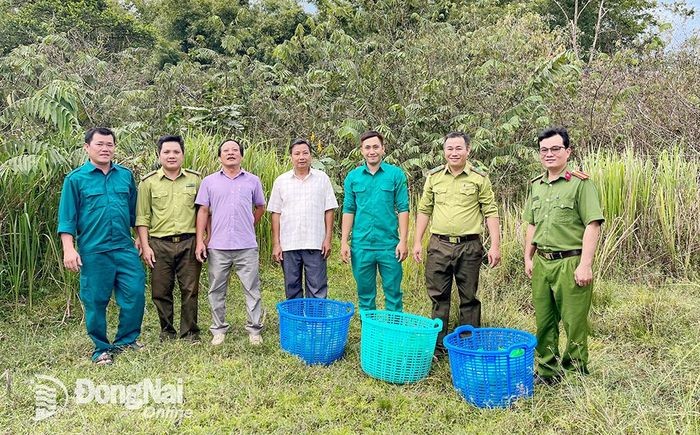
[98,209]
[302,205]
[167,206]
[458,203]
[560,210]
[231,202]
[375,200]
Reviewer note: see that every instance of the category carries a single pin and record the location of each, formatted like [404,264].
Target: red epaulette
[580,174]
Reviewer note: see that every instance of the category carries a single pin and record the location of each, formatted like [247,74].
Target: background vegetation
[268,71]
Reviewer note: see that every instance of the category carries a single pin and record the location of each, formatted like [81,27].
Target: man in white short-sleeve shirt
[302,203]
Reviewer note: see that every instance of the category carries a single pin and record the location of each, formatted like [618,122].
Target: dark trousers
[176,260]
[313,264]
[460,261]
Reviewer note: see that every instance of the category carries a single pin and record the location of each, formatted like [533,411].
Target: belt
[457,239]
[559,254]
[177,238]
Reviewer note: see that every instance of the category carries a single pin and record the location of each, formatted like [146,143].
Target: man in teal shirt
[375,209]
[96,210]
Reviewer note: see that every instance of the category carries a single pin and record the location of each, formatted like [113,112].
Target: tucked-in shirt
[231,202]
[560,210]
[458,203]
[302,204]
[98,209]
[375,200]
[166,206]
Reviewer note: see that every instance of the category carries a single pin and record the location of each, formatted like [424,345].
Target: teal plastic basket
[397,347]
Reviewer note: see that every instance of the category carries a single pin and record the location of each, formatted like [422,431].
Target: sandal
[104,359]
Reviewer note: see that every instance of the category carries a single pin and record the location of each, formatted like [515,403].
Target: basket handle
[464,328]
[522,346]
[438,323]
[351,306]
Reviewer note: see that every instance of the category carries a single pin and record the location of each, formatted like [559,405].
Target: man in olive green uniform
[458,197]
[165,220]
[564,217]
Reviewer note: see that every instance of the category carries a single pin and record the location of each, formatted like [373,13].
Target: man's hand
[418,251]
[277,253]
[149,257]
[528,267]
[583,275]
[494,256]
[200,252]
[401,251]
[137,245]
[326,248]
[71,260]
[345,252]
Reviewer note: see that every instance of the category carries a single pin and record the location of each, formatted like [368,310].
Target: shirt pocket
[563,210]
[537,212]
[95,199]
[440,194]
[387,192]
[160,199]
[121,196]
[186,198]
[468,193]
[360,192]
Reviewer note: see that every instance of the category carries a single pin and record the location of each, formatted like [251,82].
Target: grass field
[644,376]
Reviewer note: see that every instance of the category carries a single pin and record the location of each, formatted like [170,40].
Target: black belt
[559,254]
[457,239]
[177,238]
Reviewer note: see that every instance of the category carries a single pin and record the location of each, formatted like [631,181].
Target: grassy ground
[644,376]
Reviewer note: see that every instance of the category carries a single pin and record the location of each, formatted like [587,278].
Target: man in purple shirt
[235,200]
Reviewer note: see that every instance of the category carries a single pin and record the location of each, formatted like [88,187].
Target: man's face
[301,157]
[553,155]
[456,152]
[171,156]
[230,154]
[372,150]
[100,149]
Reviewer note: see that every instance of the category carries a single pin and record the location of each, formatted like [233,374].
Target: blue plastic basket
[397,347]
[315,330]
[491,367]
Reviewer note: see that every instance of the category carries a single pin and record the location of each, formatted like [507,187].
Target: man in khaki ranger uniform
[564,217]
[458,197]
[165,220]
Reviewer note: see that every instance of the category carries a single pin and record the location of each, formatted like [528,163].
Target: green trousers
[556,297]
[365,263]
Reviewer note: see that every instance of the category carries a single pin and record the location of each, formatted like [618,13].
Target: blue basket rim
[284,313]
[531,342]
[436,323]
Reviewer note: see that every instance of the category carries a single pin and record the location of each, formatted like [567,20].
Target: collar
[293,175]
[465,170]
[381,167]
[241,173]
[89,167]
[565,174]
[161,173]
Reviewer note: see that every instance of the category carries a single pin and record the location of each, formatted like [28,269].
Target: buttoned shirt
[98,209]
[458,203]
[302,204]
[231,202]
[166,206]
[375,200]
[560,210]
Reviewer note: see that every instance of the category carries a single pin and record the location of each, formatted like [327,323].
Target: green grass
[644,359]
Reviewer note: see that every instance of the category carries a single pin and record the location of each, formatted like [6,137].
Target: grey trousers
[315,277]
[245,263]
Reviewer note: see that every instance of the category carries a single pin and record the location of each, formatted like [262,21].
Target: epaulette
[435,170]
[192,171]
[477,170]
[148,175]
[537,178]
[580,174]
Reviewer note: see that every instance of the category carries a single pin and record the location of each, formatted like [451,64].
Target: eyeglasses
[554,150]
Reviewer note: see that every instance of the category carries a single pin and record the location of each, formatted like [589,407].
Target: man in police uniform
[97,207]
[375,211]
[458,197]
[564,217]
[165,220]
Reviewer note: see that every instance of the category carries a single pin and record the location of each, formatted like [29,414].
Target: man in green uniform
[564,217]
[458,197]
[97,207]
[375,209]
[165,220]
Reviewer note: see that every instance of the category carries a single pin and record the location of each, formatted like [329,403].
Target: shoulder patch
[435,170]
[580,174]
[192,171]
[537,178]
[477,170]
[148,175]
